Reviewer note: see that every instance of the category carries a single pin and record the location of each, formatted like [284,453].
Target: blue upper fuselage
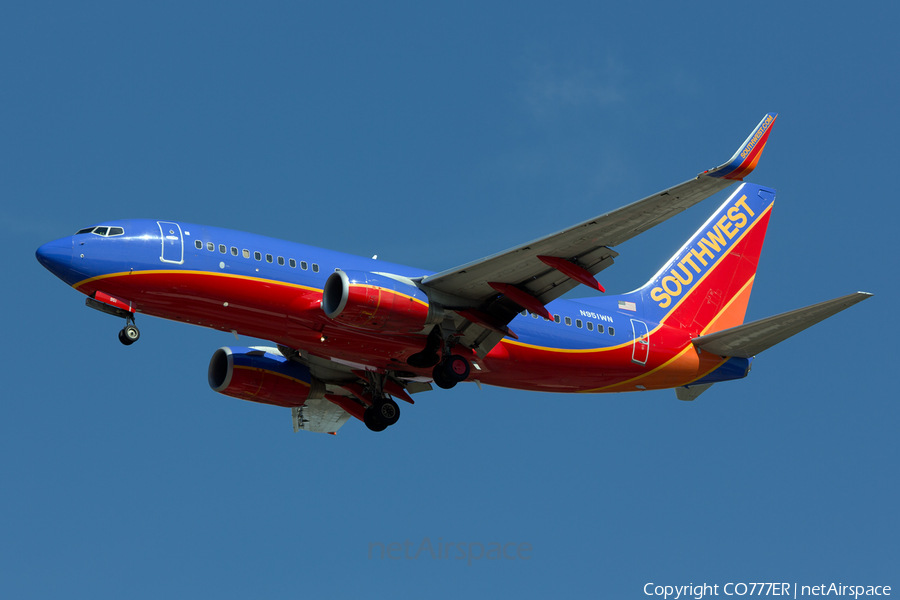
[147,245]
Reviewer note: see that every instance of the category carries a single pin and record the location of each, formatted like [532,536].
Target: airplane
[353,335]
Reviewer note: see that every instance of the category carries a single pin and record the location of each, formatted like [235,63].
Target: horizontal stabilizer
[750,339]
[687,393]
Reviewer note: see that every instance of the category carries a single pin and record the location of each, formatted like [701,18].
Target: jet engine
[376,302]
[262,375]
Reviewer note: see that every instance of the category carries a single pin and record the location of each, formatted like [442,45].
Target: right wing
[487,293]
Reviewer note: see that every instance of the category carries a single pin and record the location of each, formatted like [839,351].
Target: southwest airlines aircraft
[354,334]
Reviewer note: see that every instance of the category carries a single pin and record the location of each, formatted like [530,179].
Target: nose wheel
[129,334]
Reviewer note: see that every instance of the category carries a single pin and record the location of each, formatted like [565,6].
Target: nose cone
[56,256]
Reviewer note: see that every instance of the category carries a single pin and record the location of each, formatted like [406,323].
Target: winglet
[744,160]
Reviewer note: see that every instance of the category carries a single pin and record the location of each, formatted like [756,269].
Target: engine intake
[376,302]
[262,375]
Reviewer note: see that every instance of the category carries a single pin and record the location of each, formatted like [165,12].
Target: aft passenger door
[641,351]
[172,242]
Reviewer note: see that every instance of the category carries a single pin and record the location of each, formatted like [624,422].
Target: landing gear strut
[429,356]
[130,333]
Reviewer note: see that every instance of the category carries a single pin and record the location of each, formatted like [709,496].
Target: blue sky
[432,136]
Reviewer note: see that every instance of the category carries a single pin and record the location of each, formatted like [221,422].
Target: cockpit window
[102,231]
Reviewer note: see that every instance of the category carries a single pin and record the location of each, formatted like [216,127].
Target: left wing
[487,293]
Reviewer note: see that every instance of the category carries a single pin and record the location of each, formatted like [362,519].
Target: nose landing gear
[129,334]
[117,308]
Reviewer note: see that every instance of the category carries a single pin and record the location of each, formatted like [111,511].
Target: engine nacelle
[375,302]
[262,375]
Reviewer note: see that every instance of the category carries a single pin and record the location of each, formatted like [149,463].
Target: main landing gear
[449,370]
[383,413]
[130,333]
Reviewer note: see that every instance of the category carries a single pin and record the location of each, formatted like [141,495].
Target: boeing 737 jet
[354,335]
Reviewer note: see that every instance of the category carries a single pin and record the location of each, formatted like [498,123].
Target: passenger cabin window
[612,331]
[599,328]
[246,253]
[303,264]
[315,268]
[269,258]
[578,323]
[590,326]
[569,321]
[256,255]
[533,316]
[198,244]
[524,313]
[210,246]
[234,251]
[293,263]
[222,248]
[281,261]
[556,318]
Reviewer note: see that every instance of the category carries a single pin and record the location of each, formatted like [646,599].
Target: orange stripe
[688,347]
[716,264]
[745,169]
[732,319]
[230,275]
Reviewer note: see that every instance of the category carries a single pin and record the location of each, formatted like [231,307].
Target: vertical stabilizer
[705,287]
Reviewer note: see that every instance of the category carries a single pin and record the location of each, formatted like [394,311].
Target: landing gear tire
[456,368]
[441,379]
[370,418]
[129,335]
[387,411]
